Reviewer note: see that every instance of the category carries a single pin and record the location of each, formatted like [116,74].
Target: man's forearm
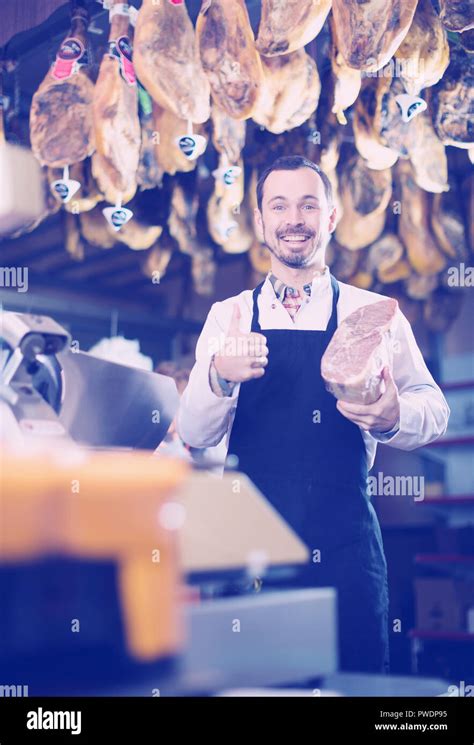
[219,386]
[424,416]
[204,416]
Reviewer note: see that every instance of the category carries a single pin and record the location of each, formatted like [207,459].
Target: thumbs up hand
[243,356]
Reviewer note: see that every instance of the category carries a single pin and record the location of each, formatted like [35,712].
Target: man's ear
[332,220]
[258,224]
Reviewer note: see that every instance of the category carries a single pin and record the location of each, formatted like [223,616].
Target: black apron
[310,462]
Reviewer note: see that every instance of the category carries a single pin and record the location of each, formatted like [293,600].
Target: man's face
[295,222]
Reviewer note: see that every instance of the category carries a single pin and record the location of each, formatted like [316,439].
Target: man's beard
[295,260]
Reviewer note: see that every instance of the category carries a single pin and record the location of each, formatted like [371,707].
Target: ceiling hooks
[95,30]
[12,104]
[52,51]
[8,65]
[206,4]
[114,323]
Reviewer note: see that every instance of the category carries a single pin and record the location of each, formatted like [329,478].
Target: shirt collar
[282,290]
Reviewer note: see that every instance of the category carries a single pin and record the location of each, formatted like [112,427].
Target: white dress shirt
[204,418]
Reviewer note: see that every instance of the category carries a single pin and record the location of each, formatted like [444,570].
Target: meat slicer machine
[229,539]
[52,390]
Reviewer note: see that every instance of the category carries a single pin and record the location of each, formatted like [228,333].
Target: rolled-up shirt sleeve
[204,417]
[424,411]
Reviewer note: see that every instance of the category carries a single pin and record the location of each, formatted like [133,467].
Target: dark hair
[292,163]
[173,370]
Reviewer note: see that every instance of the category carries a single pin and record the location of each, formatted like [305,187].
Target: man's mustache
[296,231]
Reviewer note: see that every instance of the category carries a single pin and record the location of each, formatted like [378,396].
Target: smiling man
[257,382]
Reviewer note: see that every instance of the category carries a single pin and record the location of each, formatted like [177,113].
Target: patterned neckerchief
[290,297]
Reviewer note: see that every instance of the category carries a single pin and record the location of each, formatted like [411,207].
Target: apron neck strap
[332,323]
[255,326]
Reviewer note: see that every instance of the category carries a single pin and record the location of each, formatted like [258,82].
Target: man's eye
[278,207]
[309,207]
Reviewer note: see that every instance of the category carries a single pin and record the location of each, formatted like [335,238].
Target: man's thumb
[235,320]
[387,376]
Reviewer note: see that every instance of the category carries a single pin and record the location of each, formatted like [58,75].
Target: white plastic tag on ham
[65,188]
[227,175]
[357,353]
[190,144]
[410,106]
[117,216]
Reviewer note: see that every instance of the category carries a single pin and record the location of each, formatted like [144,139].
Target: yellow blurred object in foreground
[101,506]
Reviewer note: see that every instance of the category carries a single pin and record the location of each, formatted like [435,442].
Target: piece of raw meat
[360,348]
[115,112]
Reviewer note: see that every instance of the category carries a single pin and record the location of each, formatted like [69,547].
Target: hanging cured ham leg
[149,174]
[413,227]
[369,33]
[447,224]
[61,129]
[229,57]
[428,155]
[329,159]
[453,101]
[347,86]
[288,25]
[365,195]
[167,129]
[166,60]
[116,121]
[457,15]
[414,139]
[367,139]
[424,53]
[228,135]
[289,93]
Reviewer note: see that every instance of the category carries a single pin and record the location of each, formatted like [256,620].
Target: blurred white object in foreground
[21,188]
[123,351]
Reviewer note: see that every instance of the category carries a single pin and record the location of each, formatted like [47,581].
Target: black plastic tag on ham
[121,49]
[358,351]
[68,58]
[125,50]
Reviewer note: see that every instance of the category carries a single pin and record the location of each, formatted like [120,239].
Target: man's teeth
[293,238]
